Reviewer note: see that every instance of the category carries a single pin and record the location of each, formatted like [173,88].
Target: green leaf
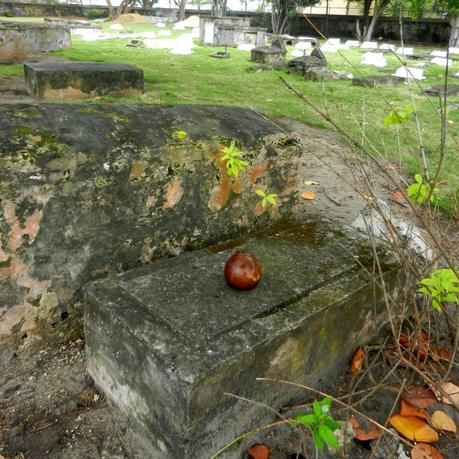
[332,424]
[328,436]
[260,193]
[317,408]
[180,135]
[317,439]
[306,419]
[398,116]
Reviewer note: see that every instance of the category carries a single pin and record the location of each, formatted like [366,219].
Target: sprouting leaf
[398,116]
[442,421]
[414,428]
[357,360]
[308,195]
[362,434]
[316,408]
[407,409]
[258,451]
[260,193]
[232,156]
[266,198]
[420,190]
[306,419]
[180,135]
[328,436]
[425,451]
[318,439]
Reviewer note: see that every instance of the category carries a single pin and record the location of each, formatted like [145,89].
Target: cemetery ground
[51,411]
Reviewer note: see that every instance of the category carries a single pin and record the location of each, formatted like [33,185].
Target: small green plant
[398,116]
[441,287]
[180,135]
[266,198]
[321,424]
[420,190]
[232,156]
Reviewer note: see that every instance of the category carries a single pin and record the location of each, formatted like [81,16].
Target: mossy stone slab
[166,341]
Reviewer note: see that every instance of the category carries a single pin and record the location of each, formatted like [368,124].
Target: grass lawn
[202,80]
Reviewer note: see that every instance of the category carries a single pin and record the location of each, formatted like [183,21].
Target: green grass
[200,79]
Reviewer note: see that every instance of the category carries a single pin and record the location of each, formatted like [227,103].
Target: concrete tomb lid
[77,66]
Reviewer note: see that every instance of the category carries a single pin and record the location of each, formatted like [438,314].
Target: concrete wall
[426,30]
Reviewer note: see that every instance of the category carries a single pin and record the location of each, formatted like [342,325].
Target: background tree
[181,5]
[372,11]
[451,7]
[282,11]
[219,7]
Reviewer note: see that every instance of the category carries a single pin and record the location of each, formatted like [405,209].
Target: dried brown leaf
[408,409]
[414,428]
[424,451]
[308,195]
[258,451]
[420,396]
[442,421]
[357,360]
[364,434]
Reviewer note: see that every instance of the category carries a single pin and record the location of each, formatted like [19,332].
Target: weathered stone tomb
[166,341]
[78,80]
[18,40]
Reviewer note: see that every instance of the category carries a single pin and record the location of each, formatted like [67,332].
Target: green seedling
[398,116]
[234,163]
[266,198]
[180,135]
[420,190]
[321,424]
[441,287]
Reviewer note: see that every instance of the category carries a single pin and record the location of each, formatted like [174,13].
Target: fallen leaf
[258,451]
[364,434]
[398,196]
[420,396]
[310,182]
[414,428]
[424,451]
[452,390]
[408,409]
[357,360]
[441,353]
[416,345]
[442,421]
[309,195]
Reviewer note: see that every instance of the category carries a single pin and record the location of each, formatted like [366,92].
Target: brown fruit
[242,271]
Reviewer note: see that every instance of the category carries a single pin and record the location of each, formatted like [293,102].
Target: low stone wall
[425,30]
[88,191]
[18,39]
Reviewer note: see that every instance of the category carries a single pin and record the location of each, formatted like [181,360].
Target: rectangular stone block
[166,341]
[77,80]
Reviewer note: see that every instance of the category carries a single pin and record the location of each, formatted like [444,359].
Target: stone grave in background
[377,81]
[234,35]
[451,90]
[270,56]
[20,39]
[208,27]
[166,341]
[77,80]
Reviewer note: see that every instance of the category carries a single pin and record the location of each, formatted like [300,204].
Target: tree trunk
[454,37]
[110,9]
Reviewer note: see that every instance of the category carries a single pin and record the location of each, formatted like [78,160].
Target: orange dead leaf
[258,451]
[420,396]
[414,428]
[364,435]
[452,390]
[424,451]
[308,195]
[398,196]
[416,345]
[357,360]
[442,421]
[407,409]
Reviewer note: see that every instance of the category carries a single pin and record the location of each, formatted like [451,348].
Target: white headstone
[195,32]
[453,50]
[303,45]
[369,45]
[88,34]
[436,53]
[180,50]
[410,72]
[406,51]
[327,48]
[297,53]
[148,34]
[116,27]
[245,47]
[161,25]
[179,26]
[441,61]
[352,43]
[334,41]
[165,33]
[387,46]
[374,59]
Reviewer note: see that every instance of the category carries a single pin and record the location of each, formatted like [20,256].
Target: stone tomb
[268,55]
[208,27]
[78,80]
[20,39]
[165,341]
[234,35]
[376,81]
